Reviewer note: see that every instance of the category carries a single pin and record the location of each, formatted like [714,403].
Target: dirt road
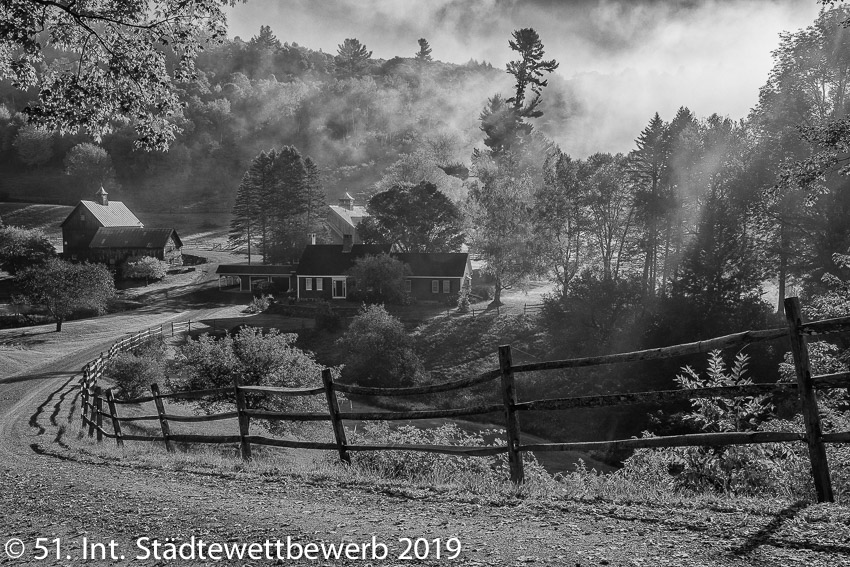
[49,492]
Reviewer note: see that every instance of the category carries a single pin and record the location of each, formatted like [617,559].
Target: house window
[447,286]
[308,282]
[435,286]
[319,282]
[82,217]
[408,285]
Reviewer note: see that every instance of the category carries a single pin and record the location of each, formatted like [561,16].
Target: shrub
[134,372]
[256,359]
[463,299]
[326,318]
[21,248]
[485,292]
[380,279]
[145,268]
[259,304]
[435,468]
[264,289]
[378,351]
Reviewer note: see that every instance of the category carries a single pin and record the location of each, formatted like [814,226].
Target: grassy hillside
[45,217]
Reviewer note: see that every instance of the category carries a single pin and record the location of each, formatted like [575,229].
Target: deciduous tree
[21,248]
[63,288]
[413,219]
[121,60]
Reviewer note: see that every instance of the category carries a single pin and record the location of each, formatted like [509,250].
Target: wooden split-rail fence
[94,397]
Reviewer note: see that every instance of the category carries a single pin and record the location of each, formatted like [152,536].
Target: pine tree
[648,168]
[424,53]
[251,213]
[504,120]
[352,57]
[289,204]
[317,202]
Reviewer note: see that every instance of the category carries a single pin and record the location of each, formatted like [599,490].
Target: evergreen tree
[316,198]
[251,211]
[648,166]
[352,57]
[503,120]
[424,53]
[289,205]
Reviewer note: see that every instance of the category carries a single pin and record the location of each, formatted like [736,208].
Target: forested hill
[354,115]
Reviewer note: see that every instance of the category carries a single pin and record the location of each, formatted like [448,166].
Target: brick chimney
[101,197]
[347,242]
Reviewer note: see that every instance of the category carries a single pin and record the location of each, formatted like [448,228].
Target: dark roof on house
[255,269]
[133,237]
[115,213]
[435,264]
[330,260]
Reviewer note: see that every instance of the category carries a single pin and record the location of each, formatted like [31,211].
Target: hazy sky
[623,60]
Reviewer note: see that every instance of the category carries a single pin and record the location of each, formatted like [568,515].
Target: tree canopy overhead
[120,60]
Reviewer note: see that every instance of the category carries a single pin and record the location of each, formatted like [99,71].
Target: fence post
[113,413]
[84,395]
[511,420]
[811,416]
[244,420]
[160,410]
[92,411]
[190,326]
[98,405]
[172,328]
[333,408]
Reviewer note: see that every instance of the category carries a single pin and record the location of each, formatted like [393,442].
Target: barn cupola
[102,197]
[347,202]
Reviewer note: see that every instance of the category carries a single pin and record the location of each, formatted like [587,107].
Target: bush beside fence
[93,398]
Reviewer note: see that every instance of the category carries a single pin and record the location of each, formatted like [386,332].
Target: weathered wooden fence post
[172,328]
[244,420]
[98,408]
[92,410]
[113,413]
[333,408]
[84,395]
[811,416]
[163,422]
[511,420]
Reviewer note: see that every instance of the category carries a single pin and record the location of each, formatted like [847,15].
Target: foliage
[379,279]
[463,299]
[21,248]
[413,219]
[279,202]
[378,351]
[435,468]
[134,371]
[593,311]
[352,57]
[424,53]
[144,268]
[34,145]
[121,61]
[258,304]
[253,358]
[91,165]
[63,287]
[502,120]
[499,223]
[326,318]
[742,413]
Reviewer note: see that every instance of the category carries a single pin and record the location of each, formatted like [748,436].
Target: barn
[108,232]
[112,245]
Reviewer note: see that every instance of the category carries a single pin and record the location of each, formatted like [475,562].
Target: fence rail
[93,396]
